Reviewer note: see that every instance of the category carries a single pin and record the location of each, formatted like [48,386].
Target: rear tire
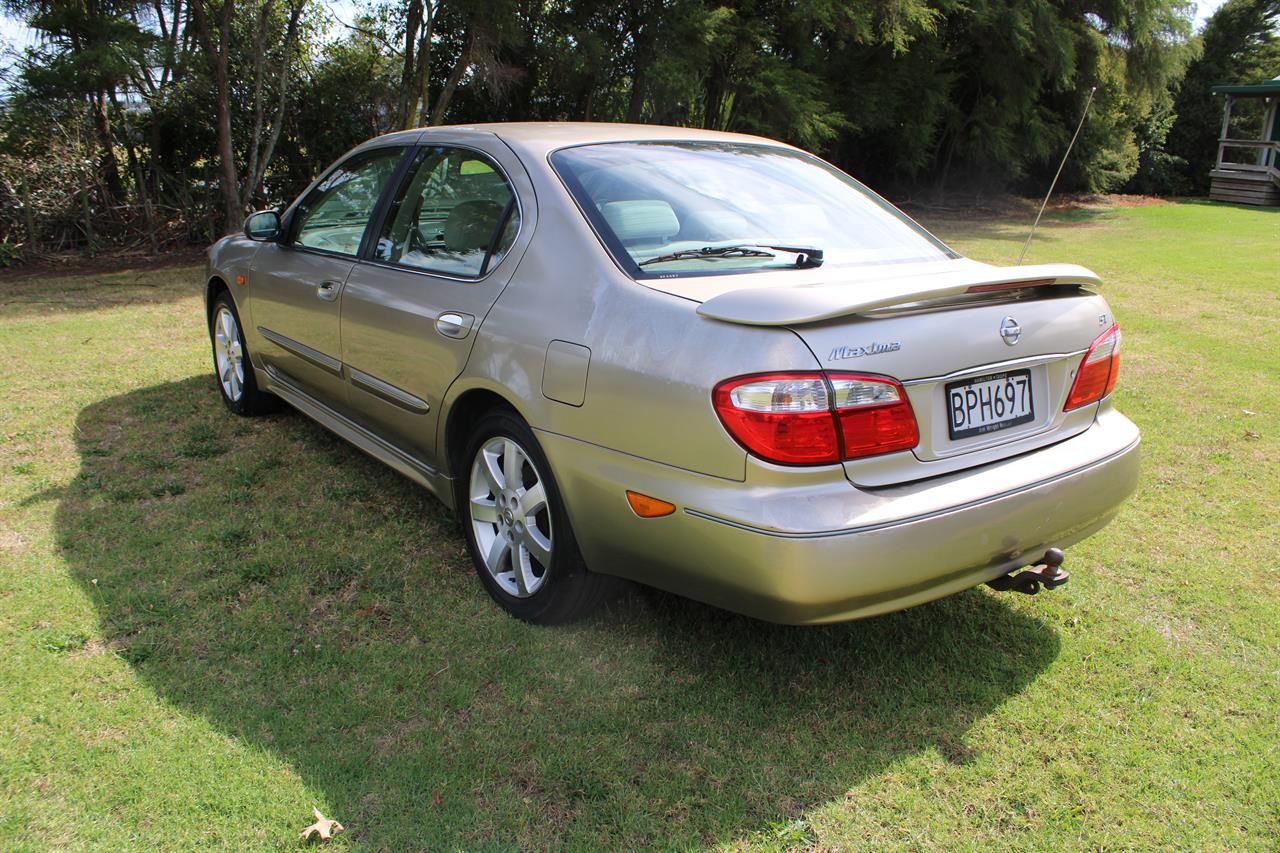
[232,370]
[517,529]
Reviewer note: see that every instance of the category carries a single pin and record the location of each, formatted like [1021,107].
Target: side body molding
[303,351]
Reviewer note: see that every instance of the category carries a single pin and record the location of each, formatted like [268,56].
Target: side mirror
[263,225]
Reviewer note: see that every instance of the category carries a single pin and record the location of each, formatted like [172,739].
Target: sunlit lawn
[209,625]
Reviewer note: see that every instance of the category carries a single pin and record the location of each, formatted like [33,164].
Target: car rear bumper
[807,547]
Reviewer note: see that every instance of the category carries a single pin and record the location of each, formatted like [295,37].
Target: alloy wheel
[510,516]
[228,353]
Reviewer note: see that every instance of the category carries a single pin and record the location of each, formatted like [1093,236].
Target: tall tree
[88,50]
[262,144]
[214,36]
[263,36]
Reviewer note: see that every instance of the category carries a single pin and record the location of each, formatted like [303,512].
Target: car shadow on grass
[302,598]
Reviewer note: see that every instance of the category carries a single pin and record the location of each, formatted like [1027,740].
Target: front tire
[232,369]
[517,529]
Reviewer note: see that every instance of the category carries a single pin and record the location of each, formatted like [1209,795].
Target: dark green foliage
[1159,169]
[109,131]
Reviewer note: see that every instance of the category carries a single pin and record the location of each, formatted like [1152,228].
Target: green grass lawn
[209,625]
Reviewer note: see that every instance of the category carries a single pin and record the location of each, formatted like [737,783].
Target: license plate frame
[972,399]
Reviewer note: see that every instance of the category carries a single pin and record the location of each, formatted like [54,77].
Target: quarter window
[333,217]
[455,215]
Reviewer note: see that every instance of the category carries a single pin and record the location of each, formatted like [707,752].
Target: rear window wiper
[805,257]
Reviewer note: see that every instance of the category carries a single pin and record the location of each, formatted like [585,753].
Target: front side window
[455,215]
[333,216]
[658,205]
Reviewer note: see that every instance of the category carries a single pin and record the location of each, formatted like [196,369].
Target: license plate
[988,403]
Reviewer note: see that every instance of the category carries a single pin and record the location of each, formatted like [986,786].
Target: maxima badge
[857,352]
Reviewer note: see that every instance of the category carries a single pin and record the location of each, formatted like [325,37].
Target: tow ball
[1047,573]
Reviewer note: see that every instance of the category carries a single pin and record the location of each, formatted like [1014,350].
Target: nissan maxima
[706,362]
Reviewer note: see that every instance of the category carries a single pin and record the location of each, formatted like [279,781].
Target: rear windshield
[650,199]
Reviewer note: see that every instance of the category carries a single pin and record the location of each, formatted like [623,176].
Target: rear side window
[455,215]
[333,216]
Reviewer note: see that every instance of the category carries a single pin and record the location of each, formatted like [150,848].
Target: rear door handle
[328,290]
[452,324]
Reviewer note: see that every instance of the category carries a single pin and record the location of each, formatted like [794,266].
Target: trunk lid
[960,324]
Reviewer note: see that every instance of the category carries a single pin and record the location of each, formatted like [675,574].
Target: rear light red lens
[881,430]
[1098,371]
[781,417]
[815,418]
[874,415]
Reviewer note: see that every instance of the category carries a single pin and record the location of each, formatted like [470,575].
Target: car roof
[539,138]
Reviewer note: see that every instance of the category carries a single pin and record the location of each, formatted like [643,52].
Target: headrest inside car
[715,225]
[471,225]
[641,221]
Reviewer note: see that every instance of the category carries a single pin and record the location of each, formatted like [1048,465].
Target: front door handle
[328,290]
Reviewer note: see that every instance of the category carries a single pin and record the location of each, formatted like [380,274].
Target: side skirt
[432,480]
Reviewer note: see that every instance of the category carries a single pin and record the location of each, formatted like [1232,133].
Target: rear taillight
[783,417]
[1098,371]
[815,418]
[873,414]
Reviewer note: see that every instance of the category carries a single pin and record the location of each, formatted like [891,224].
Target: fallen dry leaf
[323,827]
[371,611]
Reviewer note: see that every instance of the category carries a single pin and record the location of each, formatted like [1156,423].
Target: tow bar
[1047,573]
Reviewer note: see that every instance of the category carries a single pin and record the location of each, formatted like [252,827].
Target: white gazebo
[1252,173]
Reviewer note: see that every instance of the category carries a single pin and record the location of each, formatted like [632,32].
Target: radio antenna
[1057,175]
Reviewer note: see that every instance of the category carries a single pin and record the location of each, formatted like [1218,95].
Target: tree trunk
[714,100]
[455,76]
[949,141]
[148,217]
[421,98]
[139,180]
[635,105]
[28,215]
[635,108]
[408,69]
[259,172]
[230,189]
[106,149]
[229,180]
[169,38]
[259,71]
[89,237]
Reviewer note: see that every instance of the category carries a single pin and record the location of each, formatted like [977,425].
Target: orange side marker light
[241,280]
[647,507]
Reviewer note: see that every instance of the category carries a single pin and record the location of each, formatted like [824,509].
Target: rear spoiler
[811,303]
